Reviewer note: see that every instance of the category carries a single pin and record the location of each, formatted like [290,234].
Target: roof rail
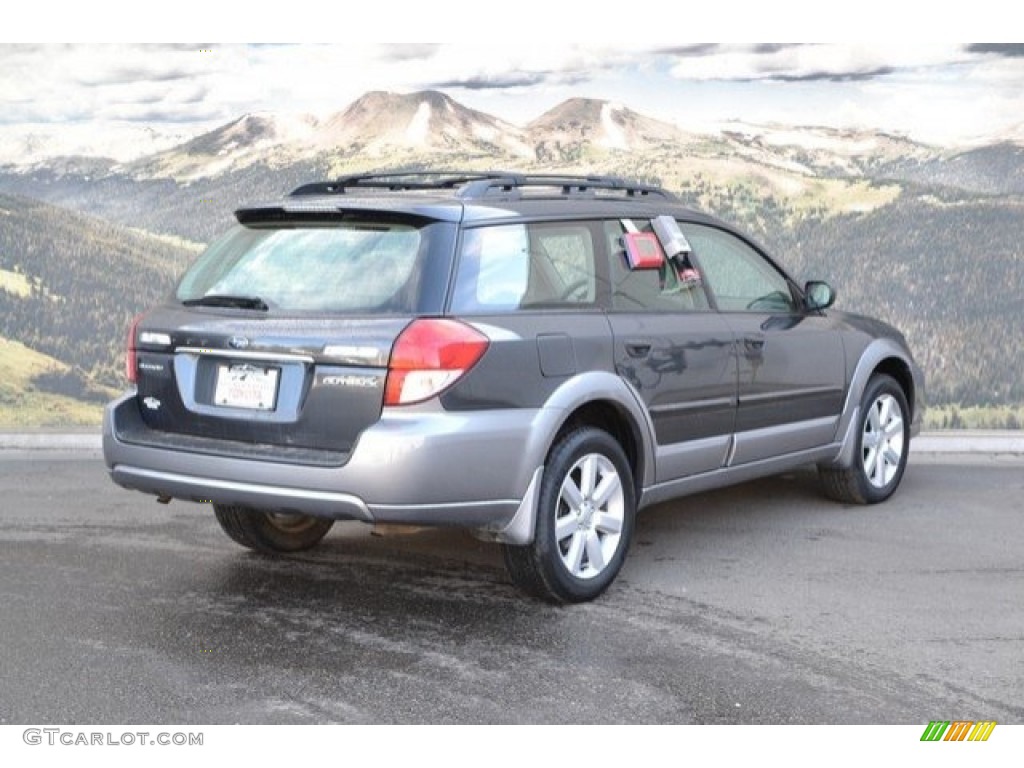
[559,185]
[395,181]
[475,185]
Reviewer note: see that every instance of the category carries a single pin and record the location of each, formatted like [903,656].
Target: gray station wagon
[532,358]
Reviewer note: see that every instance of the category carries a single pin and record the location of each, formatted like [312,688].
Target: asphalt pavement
[762,603]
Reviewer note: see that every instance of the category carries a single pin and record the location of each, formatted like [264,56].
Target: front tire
[585,518]
[883,444]
[271,532]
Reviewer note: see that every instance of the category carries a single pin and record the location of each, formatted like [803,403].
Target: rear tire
[585,517]
[271,532]
[883,444]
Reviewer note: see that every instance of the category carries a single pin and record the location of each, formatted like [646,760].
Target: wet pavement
[759,604]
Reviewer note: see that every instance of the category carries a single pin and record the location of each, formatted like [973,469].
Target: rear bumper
[418,465]
[259,495]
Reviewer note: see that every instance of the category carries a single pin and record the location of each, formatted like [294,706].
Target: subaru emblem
[238,342]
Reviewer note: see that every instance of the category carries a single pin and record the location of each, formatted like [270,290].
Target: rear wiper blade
[218,300]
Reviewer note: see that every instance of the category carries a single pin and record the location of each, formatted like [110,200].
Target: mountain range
[927,237]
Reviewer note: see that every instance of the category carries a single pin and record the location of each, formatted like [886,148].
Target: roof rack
[473,185]
[398,181]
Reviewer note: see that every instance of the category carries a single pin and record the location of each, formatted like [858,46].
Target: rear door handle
[638,348]
[754,343]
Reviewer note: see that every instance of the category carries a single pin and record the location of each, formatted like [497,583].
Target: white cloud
[836,62]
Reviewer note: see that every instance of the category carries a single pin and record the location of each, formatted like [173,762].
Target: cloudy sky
[940,93]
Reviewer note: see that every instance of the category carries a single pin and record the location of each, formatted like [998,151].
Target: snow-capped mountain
[379,122]
[253,132]
[274,139]
[599,125]
[376,125]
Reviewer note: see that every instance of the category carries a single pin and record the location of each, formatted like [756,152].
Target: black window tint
[674,287]
[739,277]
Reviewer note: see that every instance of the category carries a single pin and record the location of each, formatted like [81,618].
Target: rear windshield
[353,267]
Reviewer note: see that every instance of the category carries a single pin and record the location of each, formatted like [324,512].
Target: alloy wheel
[589,516]
[882,441]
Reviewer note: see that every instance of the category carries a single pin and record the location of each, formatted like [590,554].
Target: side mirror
[818,295]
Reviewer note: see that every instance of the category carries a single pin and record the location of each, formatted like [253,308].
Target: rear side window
[360,267]
[525,266]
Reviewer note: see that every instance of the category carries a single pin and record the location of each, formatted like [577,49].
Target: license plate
[246,386]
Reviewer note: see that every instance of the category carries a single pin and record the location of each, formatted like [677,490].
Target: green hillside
[24,401]
[949,273]
[70,284]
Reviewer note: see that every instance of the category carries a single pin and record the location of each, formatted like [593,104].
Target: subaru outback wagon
[532,358]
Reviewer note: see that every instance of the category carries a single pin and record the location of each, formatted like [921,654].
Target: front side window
[675,286]
[359,267]
[740,278]
[514,267]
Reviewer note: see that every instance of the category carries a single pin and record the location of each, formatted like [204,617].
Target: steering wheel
[776,301]
[573,288]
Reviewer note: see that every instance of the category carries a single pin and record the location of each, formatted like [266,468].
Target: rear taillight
[131,353]
[428,357]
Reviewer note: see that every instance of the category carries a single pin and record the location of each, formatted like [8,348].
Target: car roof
[471,197]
